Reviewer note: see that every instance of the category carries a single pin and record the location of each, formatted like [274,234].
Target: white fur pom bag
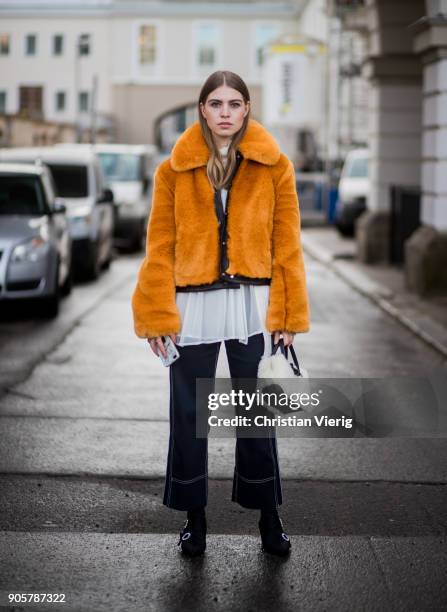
[277,364]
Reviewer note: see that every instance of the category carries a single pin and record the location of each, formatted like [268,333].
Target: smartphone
[171,350]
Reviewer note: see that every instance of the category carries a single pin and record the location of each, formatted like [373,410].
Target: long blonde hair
[219,174]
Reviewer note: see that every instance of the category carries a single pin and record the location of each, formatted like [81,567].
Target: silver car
[80,182]
[128,170]
[35,242]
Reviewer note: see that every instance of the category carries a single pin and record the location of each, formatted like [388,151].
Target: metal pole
[93,109]
[77,88]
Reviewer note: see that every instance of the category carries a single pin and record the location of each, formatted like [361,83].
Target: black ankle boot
[193,535]
[274,539]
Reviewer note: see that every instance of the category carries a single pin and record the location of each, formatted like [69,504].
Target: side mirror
[59,206]
[106,197]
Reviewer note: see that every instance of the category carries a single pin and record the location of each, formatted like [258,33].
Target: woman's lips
[224,124]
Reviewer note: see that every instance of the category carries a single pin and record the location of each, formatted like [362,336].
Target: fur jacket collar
[191,151]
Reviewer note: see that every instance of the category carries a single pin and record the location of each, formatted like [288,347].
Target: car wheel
[68,283]
[345,229]
[110,257]
[93,268]
[138,241]
[50,305]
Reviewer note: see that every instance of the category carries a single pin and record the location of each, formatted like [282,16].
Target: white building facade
[73,61]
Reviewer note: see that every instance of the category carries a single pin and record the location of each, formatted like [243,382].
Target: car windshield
[358,168]
[21,195]
[70,180]
[121,166]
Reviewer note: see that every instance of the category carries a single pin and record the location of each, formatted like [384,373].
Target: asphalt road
[84,432]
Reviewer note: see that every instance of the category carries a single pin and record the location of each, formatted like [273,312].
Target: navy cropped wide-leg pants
[256,481]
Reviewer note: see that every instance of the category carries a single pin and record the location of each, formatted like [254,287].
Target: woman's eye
[233,104]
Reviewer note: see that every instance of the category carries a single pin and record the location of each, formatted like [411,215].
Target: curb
[377,293]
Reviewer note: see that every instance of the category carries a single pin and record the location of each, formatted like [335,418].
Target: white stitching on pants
[258,480]
[277,464]
[274,467]
[188,481]
[172,436]
[178,480]
[237,475]
[206,459]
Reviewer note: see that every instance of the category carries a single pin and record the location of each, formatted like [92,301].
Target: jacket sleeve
[288,304]
[153,302]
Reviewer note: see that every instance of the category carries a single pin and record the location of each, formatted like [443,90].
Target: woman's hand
[287,337]
[157,345]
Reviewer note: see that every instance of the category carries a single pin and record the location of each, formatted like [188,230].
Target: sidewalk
[383,284]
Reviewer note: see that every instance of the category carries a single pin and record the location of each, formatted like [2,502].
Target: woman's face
[224,111]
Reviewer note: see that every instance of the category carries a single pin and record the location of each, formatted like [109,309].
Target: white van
[79,180]
[353,190]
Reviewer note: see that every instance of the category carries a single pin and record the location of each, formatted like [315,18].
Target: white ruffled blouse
[223,314]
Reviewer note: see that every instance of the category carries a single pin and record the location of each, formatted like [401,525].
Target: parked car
[128,170]
[353,191]
[79,180]
[35,241]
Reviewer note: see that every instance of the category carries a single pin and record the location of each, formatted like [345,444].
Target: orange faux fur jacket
[182,246]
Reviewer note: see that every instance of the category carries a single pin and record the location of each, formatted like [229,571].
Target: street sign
[293,85]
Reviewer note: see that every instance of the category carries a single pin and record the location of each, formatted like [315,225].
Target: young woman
[223,263]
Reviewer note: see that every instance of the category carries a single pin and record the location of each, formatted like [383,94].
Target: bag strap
[284,350]
[294,358]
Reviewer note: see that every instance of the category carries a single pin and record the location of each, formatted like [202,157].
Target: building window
[2,102]
[30,101]
[264,34]
[5,41]
[31,44]
[60,100]
[147,44]
[58,44]
[84,44]
[207,38]
[147,48]
[83,101]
